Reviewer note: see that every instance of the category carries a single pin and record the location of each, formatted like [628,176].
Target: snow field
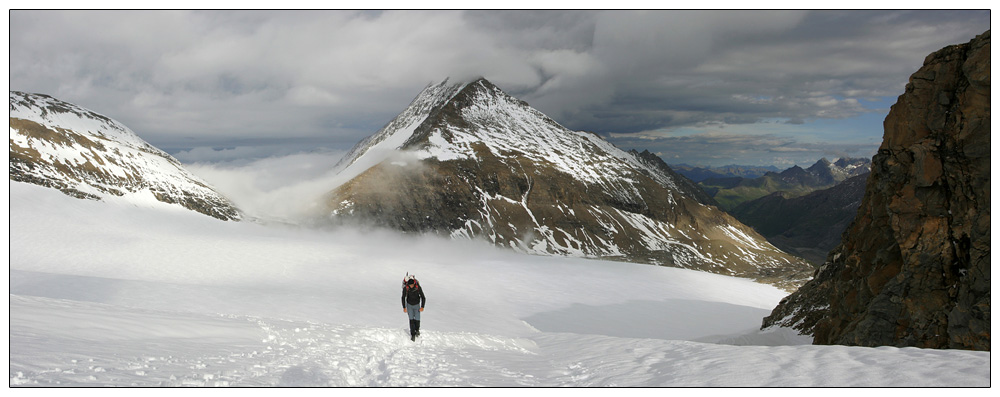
[110,294]
[205,350]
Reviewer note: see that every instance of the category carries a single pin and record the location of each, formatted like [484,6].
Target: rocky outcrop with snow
[914,267]
[469,161]
[87,155]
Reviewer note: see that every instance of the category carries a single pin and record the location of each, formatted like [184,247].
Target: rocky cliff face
[90,156]
[467,160]
[914,267]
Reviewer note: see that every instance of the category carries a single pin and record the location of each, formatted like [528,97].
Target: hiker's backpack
[412,294]
[415,282]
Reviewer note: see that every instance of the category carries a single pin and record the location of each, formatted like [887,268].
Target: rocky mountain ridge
[467,160]
[913,268]
[87,155]
[808,226]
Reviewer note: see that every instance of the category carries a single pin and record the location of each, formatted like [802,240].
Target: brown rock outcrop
[914,267]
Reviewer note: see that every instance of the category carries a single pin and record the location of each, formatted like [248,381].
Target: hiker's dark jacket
[413,296]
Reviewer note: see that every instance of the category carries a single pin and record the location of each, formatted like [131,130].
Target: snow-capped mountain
[839,171]
[88,155]
[467,160]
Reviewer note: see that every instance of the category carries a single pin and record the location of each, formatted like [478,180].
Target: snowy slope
[119,295]
[525,130]
[505,125]
[384,144]
[87,155]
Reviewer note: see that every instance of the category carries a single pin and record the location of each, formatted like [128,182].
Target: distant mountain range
[698,174]
[795,181]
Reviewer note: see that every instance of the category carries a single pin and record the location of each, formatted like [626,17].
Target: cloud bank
[186,79]
[283,188]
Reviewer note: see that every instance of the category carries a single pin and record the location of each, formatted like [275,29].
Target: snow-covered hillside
[467,160]
[88,155]
[110,294]
[506,127]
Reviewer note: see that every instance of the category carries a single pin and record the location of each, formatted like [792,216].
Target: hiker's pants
[413,311]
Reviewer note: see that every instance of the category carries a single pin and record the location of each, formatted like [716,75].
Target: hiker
[413,303]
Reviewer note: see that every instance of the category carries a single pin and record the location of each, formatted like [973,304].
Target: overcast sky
[696,87]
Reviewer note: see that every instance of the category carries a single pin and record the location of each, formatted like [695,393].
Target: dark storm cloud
[753,65]
[186,79]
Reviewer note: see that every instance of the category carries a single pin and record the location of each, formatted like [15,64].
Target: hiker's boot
[417,324]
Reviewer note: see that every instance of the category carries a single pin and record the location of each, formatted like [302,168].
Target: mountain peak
[450,87]
[452,105]
[467,160]
[481,91]
[463,81]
